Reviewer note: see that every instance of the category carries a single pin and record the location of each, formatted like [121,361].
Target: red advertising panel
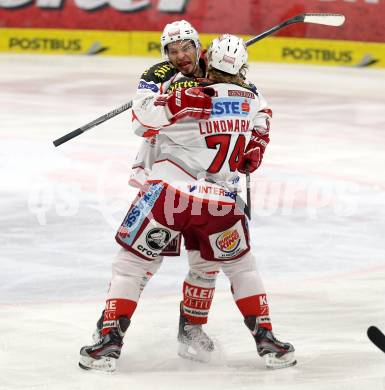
[364,18]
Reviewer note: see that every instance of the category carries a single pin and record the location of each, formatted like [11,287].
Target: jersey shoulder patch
[251,87]
[159,73]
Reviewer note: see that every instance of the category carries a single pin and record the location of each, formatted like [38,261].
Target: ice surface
[317,231]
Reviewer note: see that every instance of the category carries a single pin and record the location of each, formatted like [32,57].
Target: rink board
[139,43]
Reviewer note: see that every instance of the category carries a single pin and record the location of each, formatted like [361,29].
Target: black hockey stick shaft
[92,124]
[376,337]
[248,193]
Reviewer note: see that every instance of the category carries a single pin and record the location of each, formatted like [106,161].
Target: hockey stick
[376,337]
[92,124]
[324,19]
[248,194]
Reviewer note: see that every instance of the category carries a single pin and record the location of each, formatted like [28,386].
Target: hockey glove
[193,102]
[252,157]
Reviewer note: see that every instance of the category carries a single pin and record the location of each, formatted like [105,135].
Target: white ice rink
[318,232]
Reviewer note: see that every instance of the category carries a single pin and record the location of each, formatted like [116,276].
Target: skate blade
[190,353]
[273,362]
[106,364]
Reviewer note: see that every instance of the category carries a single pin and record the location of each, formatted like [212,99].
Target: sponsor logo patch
[162,71]
[229,243]
[138,213]
[211,190]
[182,84]
[158,238]
[236,92]
[235,106]
[245,106]
[153,239]
[145,85]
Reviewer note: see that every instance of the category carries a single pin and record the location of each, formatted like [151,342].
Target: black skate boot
[194,344]
[104,354]
[276,353]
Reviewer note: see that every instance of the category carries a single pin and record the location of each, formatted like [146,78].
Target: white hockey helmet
[178,31]
[227,53]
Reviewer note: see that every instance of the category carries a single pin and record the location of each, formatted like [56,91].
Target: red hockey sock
[256,305]
[116,308]
[196,302]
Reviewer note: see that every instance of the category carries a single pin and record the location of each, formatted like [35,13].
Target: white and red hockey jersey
[153,82]
[199,158]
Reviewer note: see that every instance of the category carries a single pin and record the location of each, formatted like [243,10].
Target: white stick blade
[325,19]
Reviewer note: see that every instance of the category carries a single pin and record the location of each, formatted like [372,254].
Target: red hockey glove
[194,102]
[252,157]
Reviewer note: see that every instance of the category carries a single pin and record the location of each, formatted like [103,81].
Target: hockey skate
[194,344]
[103,355]
[276,353]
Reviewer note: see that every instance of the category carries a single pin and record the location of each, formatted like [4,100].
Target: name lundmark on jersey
[224,126]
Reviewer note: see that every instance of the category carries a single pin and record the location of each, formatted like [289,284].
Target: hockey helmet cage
[178,31]
[228,54]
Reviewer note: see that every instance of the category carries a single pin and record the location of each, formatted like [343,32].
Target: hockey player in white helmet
[228,54]
[182,55]
[177,39]
[211,133]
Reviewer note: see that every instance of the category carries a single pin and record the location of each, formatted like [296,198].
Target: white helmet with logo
[178,31]
[227,53]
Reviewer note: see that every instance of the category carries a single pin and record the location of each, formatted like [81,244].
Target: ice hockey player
[183,56]
[211,132]
[181,50]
